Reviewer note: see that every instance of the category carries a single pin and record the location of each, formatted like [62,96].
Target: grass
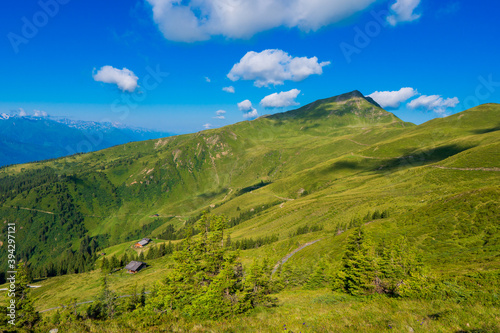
[321,165]
[324,311]
[59,290]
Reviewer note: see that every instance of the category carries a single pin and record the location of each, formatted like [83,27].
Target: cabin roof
[144,241]
[134,265]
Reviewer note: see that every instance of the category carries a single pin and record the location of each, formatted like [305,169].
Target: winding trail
[32,209]
[464,169]
[229,193]
[286,199]
[359,143]
[289,255]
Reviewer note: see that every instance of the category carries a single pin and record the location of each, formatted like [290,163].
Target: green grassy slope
[324,164]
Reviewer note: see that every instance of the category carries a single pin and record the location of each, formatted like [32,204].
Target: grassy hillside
[323,167]
[113,193]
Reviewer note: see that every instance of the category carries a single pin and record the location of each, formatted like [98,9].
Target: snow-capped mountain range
[30,138]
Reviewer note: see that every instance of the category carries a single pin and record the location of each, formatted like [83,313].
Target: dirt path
[289,255]
[31,209]
[286,199]
[120,215]
[465,169]
[359,143]
[229,193]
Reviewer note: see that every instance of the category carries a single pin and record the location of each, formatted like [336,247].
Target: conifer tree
[113,263]
[161,250]
[399,264]
[25,315]
[206,280]
[133,301]
[105,264]
[152,253]
[124,260]
[107,299]
[257,286]
[357,273]
[318,277]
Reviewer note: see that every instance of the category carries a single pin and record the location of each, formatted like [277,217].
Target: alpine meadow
[334,217]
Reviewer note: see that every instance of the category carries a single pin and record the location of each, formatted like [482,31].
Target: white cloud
[402,11]
[245,106]
[207,79]
[251,115]
[229,89]
[198,20]
[280,100]
[434,103]
[393,99]
[274,67]
[248,110]
[125,79]
[220,114]
[207,126]
[22,113]
[39,113]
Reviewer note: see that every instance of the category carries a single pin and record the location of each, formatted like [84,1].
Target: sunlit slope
[327,162]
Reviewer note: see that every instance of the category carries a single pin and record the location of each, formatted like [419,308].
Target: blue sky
[163,64]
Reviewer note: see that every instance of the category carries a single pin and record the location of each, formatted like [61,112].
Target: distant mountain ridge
[26,139]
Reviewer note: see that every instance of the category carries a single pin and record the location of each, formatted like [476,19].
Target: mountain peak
[352,104]
[353,95]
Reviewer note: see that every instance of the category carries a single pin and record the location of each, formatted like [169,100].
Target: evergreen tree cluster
[207,280]
[159,251]
[358,221]
[364,270]
[71,262]
[171,234]
[242,217]
[11,186]
[250,243]
[306,229]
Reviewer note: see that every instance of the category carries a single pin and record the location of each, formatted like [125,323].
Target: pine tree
[318,277]
[114,263]
[107,299]
[142,299]
[124,261]
[170,248]
[133,301]
[152,253]
[399,263]
[257,286]
[206,278]
[357,273]
[376,215]
[25,315]
[105,264]
[161,250]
